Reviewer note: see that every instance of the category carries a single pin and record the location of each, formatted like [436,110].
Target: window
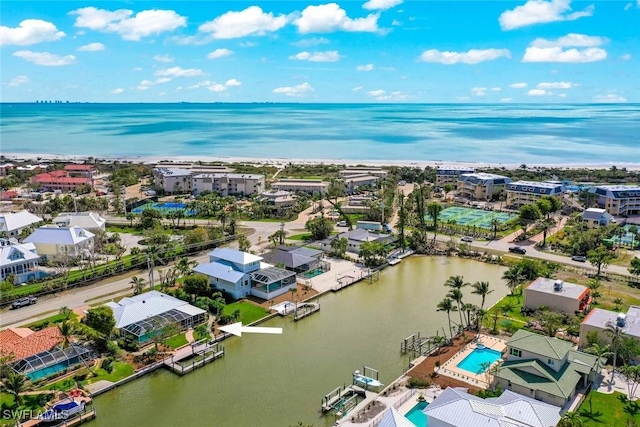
[551,362]
[515,352]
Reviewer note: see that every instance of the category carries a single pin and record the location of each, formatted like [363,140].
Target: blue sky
[299,51]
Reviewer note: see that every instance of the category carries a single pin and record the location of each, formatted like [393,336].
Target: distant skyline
[541,51]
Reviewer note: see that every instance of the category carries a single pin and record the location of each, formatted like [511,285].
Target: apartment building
[301,185]
[450,174]
[522,193]
[352,171]
[618,200]
[86,171]
[227,184]
[481,186]
[60,180]
[172,180]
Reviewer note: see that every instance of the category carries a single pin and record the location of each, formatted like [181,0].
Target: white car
[342,223]
[467,239]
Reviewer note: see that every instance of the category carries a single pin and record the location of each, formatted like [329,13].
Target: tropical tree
[513,276]
[600,258]
[402,219]
[632,375]
[15,384]
[185,266]
[482,289]
[594,285]
[495,224]
[529,214]
[339,246]
[570,419]
[618,303]
[320,228]
[243,243]
[138,284]
[278,237]
[447,306]
[456,282]
[130,217]
[65,312]
[546,224]
[67,330]
[101,320]
[469,308]
[616,334]
[600,351]
[439,341]
[434,209]
[634,267]
[456,295]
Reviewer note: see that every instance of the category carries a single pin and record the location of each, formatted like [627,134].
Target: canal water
[279,380]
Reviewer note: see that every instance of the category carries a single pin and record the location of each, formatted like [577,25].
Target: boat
[63,410]
[364,380]
[394,261]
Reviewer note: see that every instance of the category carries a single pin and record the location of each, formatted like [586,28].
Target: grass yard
[608,410]
[249,312]
[176,341]
[30,402]
[515,302]
[300,237]
[61,385]
[120,370]
[56,318]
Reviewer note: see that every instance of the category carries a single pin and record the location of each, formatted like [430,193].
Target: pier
[305,309]
[343,399]
[199,354]
[421,346]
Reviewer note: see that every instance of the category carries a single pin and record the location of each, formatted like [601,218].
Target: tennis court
[472,217]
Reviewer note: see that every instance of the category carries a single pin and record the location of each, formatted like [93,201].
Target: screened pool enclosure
[144,330]
[52,361]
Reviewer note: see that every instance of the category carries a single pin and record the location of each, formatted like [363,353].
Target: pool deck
[450,367]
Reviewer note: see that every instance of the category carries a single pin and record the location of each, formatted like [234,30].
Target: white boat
[394,261]
[364,380]
[62,410]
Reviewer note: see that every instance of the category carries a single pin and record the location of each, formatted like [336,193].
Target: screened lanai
[273,281]
[52,361]
[143,330]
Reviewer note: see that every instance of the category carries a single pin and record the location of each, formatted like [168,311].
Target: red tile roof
[21,347]
[13,334]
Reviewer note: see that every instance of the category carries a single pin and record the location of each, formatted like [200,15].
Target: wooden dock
[76,420]
[201,354]
[305,309]
[342,399]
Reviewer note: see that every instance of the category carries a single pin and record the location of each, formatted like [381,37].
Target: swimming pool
[50,370]
[313,273]
[475,360]
[416,416]
[164,207]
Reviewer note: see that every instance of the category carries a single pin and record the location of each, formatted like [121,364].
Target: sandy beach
[280,161]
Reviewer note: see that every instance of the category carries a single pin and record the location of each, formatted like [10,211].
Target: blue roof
[219,270]
[545,188]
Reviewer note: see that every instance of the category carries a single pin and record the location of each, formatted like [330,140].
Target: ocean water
[507,134]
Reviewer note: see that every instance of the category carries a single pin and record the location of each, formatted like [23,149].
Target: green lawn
[124,229]
[608,410]
[120,370]
[515,301]
[248,312]
[176,341]
[56,318]
[30,402]
[302,236]
[62,385]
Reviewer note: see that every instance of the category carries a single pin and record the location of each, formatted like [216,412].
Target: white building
[13,223]
[455,407]
[618,200]
[20,260]
[87,220]
[58,243]
[597,217]
[227,184]
[352,183]
[598,319]
[557,295]
[355,238]
[301,185]
[521,193]
[481,186]
[172,180]
[278,199]
[450,174]
[353,171]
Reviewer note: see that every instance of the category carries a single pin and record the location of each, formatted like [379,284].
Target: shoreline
[282,161]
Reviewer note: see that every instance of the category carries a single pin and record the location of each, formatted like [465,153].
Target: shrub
[415,382]
[128,345]
[107,365]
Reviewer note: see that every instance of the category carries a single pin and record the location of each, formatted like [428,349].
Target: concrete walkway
[619,384]
[189,336]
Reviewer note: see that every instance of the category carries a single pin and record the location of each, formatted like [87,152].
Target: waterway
[279,380]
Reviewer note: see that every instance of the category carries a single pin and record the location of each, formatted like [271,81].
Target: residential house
[81,170]
[91,221]
[360,204]
[241,274]
[393,418]
[60,180]
[481,186]
[373,171]
[298,259]
[5,168]
[545,368]
[279,200]
[456,407]
[522,193]
[597,217]
[12,224]
[40,354]
[58,243]
[19,260]
[141,316]
[355,238]
[227,184]
[557,295]
[309,186]
[355,182]
[450,174]
[618,200]
[599,319]
[172,180]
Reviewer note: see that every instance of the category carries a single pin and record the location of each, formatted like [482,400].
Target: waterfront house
[141,316]
[618,200]
[355,238]
[40,354]
[241,274]
[59,243]
[19,260]
[228,184]
[481,186]
[309,186]
[557,295]
[88,220]
[522,193]
[450,174]
[172,180]
[544,368]
[597,217]
[457,407]
[598,319]
[12,224]
[60,180]
[298,259]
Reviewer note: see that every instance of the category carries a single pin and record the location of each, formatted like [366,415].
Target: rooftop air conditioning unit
[557,286]
[620,321]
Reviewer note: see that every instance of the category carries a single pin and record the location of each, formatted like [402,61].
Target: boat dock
[194,356]
[394,261]
[305,309]
[343,399]
[419,345]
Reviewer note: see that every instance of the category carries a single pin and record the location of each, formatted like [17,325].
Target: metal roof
[16,220]
[220,271]
[456,407]
[86,220]
[539,344]
[544,188]
[144,306]
[596,214]
[16,253]
[234,256]
[290,259]
[271,274]
[562,383]
[393,418]
[59,236]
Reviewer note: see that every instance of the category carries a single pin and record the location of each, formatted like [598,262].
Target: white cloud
[538,92]
[521,85]
[217,87]
[572,48]
[539,12]
[556,85]
[163,58]
[330,17]
[137,69]
[124,22]
[117,91]
[396,23]
[299,90]
[91,47]
[562,95]
[146,84]
[506,99]
[45,58]
[626,57]
[381,4]
[219,53]
[179,72]
[248,44]
[19,80]
[376,93]
[367,67]
[232,82]
[462,98]
[357,89]
[496,89]
[314,41]
[28,32]
[479,91]
[383,95]
[328,56]
[474,56]
[609,97]
[251,21]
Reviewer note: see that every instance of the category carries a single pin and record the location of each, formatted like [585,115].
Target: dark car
[579,258]
[24,302]
[467,239]
[517,250]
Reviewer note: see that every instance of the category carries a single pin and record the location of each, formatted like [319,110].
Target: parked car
[517,250]
[22,302]
[467,239]
[342,223]
[579,258]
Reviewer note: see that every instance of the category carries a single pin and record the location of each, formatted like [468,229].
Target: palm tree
[67,330]
[618,303]
[600,351]
[594,285]
[14,384]
[456,295]
[482,289]
[495,223]
[434,209]
[615,333]
[438,341]
[447,306]
[570,419]
[137,283]
[469,308]
[513,277]
[185,266]
[456,282]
